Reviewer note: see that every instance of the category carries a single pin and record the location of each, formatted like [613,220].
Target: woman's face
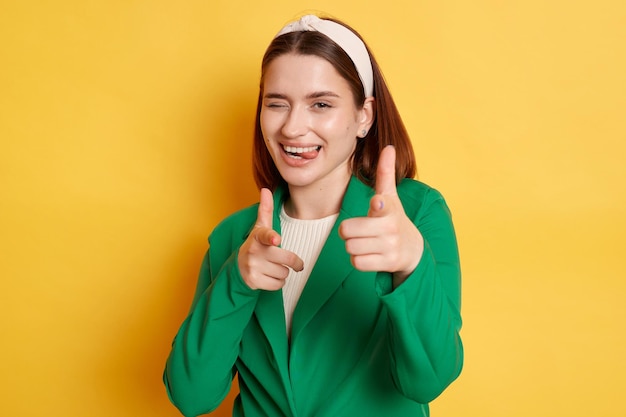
[310,122]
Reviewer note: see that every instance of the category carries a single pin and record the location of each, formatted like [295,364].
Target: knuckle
[277,284]
[282,273]
[343,230]
[357,262]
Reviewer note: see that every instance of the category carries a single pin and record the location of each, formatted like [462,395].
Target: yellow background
[125,132]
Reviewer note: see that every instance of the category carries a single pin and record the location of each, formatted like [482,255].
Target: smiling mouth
[308,152]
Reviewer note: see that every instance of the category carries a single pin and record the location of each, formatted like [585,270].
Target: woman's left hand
[385,240]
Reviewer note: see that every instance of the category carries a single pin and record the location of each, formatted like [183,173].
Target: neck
[315,203]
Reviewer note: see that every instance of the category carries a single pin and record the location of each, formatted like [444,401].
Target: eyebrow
[316,94]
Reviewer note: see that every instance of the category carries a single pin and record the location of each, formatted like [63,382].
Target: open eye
[321,105]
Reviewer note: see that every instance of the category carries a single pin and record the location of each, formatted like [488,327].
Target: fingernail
[381,205]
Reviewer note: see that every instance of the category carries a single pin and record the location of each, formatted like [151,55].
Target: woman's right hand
[262,263]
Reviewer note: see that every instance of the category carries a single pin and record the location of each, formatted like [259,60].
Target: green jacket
[358,347]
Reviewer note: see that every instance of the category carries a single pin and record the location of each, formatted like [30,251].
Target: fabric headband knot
[345,38]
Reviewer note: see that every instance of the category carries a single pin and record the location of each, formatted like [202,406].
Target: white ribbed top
[305,238]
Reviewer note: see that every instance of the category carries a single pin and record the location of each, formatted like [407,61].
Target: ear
[367,114]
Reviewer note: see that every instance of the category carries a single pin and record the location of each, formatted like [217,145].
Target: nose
[296,123]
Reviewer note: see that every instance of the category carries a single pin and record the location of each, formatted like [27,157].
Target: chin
[297,181]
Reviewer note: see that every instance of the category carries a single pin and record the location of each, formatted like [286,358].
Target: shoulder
[417,197]
[236,226]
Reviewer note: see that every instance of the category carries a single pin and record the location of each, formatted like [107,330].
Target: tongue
[309,155]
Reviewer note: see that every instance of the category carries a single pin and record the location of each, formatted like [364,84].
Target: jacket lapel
[333,265]
[271,313]
[331,269]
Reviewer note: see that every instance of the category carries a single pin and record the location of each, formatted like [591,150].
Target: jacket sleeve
[200,367]
[424,311]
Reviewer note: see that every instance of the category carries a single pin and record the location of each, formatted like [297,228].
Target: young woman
[339,293]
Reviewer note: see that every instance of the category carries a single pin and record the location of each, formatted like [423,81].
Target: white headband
[345,38]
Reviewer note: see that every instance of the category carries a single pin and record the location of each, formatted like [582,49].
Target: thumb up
[265,216]
[262,263]
[386,197]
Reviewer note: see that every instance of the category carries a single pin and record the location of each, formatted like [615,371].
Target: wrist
[400,276]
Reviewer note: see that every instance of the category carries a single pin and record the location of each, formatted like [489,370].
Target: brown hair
[387,129]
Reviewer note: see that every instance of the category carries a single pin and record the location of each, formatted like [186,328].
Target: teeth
[293,149]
